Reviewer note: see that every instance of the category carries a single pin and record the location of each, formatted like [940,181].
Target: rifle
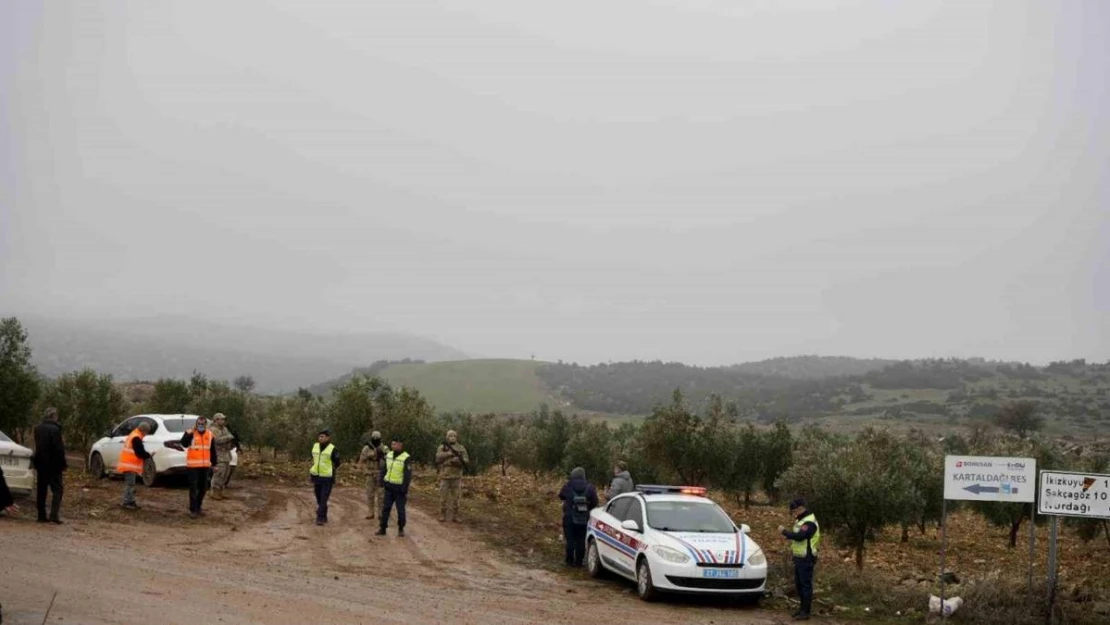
[451,449]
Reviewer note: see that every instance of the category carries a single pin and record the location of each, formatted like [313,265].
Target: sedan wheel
[645,588]
[593,560]
[96,466]
[150,472]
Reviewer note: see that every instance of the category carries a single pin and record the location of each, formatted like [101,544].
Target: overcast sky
[709,181]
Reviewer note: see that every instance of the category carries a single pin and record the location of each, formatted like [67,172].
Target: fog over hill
[174,346]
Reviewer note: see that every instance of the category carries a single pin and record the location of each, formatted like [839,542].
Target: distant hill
[479,386]
[813,367]
[173,346]
[1073,396]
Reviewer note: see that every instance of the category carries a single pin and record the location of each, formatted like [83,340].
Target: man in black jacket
[50,462]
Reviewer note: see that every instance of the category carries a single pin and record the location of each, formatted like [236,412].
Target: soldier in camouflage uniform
[451,461]
[224,441]
[373,454]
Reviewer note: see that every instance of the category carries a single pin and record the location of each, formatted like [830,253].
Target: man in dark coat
[50,462]
[579,497]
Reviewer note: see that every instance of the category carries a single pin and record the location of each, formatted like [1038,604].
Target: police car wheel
[593,560]
[645,588]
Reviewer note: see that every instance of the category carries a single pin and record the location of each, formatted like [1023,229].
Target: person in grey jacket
[622,481]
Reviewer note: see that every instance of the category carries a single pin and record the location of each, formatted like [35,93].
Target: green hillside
[476,385]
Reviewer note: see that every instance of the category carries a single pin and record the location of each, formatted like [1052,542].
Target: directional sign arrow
[979,489]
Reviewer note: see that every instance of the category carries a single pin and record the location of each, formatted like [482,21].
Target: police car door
[615,558]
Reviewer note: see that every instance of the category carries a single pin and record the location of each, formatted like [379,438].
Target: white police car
[674,539]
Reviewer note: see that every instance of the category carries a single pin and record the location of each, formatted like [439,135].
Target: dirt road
[258,558]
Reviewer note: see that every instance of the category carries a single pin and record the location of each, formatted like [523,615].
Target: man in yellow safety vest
[396,476]
[325,460]
[804,538]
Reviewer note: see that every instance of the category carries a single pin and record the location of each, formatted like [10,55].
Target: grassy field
[479,386]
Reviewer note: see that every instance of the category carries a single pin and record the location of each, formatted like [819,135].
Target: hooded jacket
[622,483]
[577,483]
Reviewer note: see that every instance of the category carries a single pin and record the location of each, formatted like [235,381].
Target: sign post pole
[1032,544]
[1052,536]
[1065,493]
[943,551]
[987,478]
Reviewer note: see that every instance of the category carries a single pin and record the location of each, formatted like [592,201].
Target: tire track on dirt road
[271,565]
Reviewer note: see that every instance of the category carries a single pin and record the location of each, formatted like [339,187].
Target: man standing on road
[622,481]
[224,441]
[325,460]
[579,497]
[131,458]
[200,455]
[396,476]
[50,462]
[373,454]
[451,461]
[804,538]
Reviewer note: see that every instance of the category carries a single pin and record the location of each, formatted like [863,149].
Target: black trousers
[53,481]
[575,539]
[322,487]
[803,581]
[198,487]
[393,497]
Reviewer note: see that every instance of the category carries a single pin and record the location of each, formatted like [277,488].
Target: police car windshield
[688,516]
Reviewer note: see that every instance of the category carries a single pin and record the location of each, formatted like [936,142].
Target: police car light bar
[659,489]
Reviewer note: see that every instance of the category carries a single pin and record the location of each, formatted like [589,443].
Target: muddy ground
[257,557]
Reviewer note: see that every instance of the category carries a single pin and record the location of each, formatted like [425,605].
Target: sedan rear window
[178,425]
[688,516]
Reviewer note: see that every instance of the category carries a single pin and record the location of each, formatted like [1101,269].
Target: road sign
[1075,494]
[990,478]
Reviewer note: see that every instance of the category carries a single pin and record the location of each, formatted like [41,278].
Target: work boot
[192,515]
[56,521]
[380,532]
[801,616]
[401,533]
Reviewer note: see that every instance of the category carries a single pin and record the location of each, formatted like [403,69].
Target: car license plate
[719,573]
[10,461]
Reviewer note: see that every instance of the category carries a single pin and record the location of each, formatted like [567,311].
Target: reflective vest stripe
[803,548]
[199,454]
[321,461]
[128,461]
[395,468]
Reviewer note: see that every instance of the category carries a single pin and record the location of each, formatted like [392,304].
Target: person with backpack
[579,497]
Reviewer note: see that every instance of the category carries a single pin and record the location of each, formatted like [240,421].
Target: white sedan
[674,539]
[163,443]
[15,460]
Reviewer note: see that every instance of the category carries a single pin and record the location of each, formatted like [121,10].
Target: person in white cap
[373,454]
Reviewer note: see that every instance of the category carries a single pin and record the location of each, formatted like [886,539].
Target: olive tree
[20,386]
[856,487]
